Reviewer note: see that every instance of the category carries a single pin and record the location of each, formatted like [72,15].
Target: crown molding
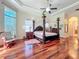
[25,5]
[66,8]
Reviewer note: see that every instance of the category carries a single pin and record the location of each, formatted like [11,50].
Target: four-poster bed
[41,34]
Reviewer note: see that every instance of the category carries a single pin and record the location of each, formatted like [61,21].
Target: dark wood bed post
[33,25]
[58,19]
[44,18]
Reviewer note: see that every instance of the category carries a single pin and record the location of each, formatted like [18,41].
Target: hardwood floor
[52,50]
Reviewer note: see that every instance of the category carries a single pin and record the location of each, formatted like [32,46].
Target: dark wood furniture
[44,35]
[33,24]
[29,35]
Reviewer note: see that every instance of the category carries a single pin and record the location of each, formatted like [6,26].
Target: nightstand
[29,35]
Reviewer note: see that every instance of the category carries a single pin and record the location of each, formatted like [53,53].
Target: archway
[73,26]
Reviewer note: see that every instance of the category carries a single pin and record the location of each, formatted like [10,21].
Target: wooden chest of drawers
[29,35]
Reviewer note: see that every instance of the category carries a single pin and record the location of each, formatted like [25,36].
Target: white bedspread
[39,34]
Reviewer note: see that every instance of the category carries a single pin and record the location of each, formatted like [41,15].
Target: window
[28,26]
[10,20]
[47,25]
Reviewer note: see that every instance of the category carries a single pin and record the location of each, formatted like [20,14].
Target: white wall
[53,22]
[21,17]
[1,21]
[1,18]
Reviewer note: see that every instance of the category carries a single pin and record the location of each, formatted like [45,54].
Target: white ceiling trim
[66,8]
[23,5]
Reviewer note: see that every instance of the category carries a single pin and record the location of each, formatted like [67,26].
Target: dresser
[29,35]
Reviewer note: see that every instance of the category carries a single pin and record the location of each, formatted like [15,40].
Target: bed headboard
[39,28]
[55,30]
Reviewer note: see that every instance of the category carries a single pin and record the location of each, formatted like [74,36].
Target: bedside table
[29,35]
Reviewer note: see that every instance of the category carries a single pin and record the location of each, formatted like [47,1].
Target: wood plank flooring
[51,50]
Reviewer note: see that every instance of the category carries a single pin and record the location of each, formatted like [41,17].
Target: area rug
[32,41]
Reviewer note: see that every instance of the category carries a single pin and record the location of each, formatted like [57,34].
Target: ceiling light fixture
[47,9]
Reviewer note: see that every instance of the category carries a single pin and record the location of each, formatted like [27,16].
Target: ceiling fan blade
[53,8]
[43,8]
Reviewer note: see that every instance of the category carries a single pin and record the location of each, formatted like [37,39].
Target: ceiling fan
[49,8]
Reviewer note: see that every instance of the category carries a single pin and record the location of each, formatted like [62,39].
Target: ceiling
[29,5]
[37,4]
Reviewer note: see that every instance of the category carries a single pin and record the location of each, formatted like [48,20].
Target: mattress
[39,34]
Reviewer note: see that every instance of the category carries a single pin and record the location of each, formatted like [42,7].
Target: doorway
[73,26]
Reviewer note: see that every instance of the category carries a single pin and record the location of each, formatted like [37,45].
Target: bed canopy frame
[44,21]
